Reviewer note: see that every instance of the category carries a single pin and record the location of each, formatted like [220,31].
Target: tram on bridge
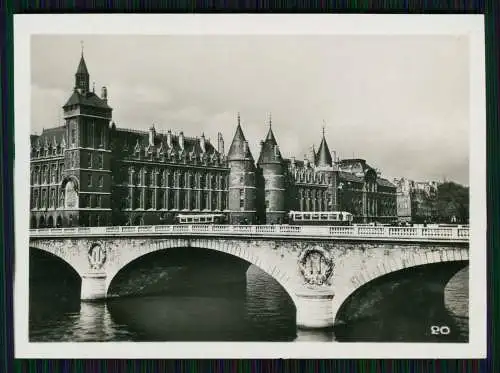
[320,218]
[201,219]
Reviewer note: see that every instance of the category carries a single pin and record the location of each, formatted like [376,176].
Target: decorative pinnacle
[81,44]
[239,118]
[270,120]
[324,128]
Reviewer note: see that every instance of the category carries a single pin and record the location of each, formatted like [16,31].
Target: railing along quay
[334,232]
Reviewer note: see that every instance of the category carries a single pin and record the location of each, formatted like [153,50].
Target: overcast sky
[400,102]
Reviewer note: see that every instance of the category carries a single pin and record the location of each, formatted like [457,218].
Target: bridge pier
[93,286]
[314,311]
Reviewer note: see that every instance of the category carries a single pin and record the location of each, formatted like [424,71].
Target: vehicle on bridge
[320,218]
[201,219]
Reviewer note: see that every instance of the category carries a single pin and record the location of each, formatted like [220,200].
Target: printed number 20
[440,330]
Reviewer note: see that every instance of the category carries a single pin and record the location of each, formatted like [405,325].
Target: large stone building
[88,172]
[416,200]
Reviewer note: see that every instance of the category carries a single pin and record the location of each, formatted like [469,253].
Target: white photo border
[334,24]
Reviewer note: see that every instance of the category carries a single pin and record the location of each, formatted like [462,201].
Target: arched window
[35,199]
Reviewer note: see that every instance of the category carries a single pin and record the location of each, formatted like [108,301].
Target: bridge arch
[54,256]
[269,265]
[63,254]
[395,264]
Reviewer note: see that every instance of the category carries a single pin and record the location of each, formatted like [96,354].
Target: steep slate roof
[86,99]
[130,138]
[347,176]
[385,183]
[270,152]
[323,157]
[82,67]
[50,135]
[239,149]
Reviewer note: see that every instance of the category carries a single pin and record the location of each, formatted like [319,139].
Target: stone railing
[458,233]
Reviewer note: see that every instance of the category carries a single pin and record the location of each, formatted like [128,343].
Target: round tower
[242,189]
[271,164]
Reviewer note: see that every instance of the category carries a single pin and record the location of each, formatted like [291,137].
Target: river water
[390,310]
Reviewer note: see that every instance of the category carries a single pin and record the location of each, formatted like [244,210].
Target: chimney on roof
[104,93]
[169,138]
[181,140]
[220,143]
[202,143]
[152,135]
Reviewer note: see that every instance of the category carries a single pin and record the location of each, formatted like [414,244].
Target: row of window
[92,160]
[313,193]
[309,176]
[47,151]
[177,200]
[174,179]
[42,200]
[94,136]
[46,174]
[159,154]
[100,181]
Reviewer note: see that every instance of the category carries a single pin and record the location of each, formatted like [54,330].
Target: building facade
[89,172]
[416,200]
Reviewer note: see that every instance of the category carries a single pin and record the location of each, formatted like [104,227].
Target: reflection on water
[265,313]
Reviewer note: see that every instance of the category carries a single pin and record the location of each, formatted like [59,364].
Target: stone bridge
[319,267]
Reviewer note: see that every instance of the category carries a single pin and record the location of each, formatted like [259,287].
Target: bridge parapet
[447,234]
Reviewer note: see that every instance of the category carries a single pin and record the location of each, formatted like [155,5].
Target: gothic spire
[82,75]
[323,156]
[239,149]
[270,151]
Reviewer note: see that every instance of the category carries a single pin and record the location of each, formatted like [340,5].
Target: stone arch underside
[66,253]
[270,265]
[398,263]
[61,257]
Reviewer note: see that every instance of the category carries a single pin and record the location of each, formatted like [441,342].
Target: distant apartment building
[416,200]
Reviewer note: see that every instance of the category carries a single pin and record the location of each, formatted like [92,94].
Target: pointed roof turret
[82,75]
[323,156]
[239,149]
[270,152]
[82,67]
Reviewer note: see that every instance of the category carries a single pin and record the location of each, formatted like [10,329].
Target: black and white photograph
[304,194]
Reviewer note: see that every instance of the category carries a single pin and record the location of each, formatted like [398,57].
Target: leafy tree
[453,203]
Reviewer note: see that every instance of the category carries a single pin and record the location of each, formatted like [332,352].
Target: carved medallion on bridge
[316,266]
[97,256]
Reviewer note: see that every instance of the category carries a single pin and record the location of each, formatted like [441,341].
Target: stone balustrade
[452,234]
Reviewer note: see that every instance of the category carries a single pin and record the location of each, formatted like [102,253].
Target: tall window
[100,161]
[44,198]
[99,133]
[35,199]
[98,201]
[101,181]
[52,198]
[242,199]
[89,181]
